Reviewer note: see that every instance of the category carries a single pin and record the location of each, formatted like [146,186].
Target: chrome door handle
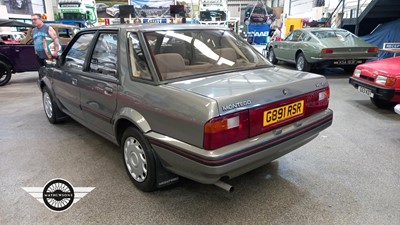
[17,50]
[74,81]
[108,90]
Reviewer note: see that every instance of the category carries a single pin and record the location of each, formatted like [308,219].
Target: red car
[380,80]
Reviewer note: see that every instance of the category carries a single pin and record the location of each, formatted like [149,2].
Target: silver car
[184,100]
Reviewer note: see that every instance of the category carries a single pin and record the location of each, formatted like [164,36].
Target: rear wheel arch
[120,126]
[297,53]
[129,118]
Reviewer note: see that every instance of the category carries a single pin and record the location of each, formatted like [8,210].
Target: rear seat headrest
[227,53]
[169,62]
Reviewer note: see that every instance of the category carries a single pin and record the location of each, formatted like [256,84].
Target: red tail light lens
[327,51]
[372,49]
[221,131]
[317,101]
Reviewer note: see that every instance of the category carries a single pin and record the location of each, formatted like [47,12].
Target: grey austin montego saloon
[188,100]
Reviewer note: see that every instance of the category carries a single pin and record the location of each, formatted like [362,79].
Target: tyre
[139,160]
[271,56]
[51,110]
[302,64]
[383,104]
[349,69]
[5,73]
[116,15]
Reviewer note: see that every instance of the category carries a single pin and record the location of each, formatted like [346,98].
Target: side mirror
[55,62]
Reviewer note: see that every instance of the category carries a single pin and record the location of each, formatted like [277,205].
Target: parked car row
[311,48]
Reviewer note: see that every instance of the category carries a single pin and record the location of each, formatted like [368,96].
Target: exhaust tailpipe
[225,186]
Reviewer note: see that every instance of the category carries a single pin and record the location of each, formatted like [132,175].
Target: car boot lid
[241,90]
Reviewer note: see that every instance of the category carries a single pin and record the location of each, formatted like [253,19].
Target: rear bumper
[387,94]
[233,160]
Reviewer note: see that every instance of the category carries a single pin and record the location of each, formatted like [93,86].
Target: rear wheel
[302,64]
[383,104]
[5,73]
[139,159]
[271,56]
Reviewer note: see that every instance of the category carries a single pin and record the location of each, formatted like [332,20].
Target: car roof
[319,28]
[157,27]
[60,25]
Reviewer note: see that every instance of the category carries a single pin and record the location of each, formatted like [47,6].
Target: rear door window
[76,55]
[104,57]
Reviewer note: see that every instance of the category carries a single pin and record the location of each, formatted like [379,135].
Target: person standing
[277,34]
[39,35]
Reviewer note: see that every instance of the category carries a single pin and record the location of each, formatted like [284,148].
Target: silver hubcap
[300,63]
[135,159]
[48,107]
[271,55]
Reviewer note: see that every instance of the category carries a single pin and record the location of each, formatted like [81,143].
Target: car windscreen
[186,53]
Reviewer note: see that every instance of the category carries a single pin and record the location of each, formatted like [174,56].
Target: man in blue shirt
[39,35]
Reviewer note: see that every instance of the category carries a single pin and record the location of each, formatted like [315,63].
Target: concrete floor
[348,175]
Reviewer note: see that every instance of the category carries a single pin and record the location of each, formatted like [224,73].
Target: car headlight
[357,72]
[388,81]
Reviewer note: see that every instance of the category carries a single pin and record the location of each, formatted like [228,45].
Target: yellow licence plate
[283,113]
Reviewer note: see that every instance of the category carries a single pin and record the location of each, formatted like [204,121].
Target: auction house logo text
[58,194]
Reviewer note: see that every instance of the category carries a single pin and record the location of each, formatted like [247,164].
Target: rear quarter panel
[169,111]
[311,49]
[166,110]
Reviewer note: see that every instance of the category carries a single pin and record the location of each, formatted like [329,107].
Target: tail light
[327,51]
[221,131]
[318,101]
[225,130]
[372,49]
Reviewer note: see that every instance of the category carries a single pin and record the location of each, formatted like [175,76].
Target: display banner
[152,8]
[258,33]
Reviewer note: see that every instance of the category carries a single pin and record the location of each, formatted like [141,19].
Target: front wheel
[5,73]
[302,64]
[383,104]
[53,113]
[139,160]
